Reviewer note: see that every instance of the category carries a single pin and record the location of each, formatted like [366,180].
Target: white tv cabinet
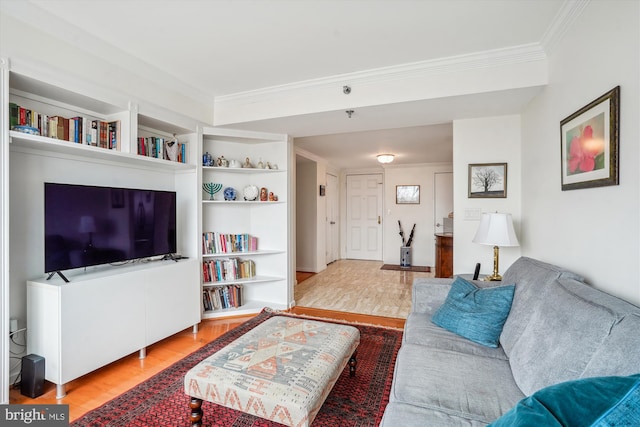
[104,315]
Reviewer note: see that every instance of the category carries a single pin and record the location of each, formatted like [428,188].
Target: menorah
[211,188]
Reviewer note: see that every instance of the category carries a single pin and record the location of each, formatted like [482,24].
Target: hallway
[359,287]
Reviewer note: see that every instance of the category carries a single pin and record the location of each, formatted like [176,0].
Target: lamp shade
[87,224]
[496,229]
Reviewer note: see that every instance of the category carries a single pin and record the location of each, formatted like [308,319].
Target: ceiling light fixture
[385,158]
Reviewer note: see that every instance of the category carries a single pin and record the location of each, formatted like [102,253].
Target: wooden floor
[104,384]
[359,287]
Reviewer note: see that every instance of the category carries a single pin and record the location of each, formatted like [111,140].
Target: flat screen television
[90,225]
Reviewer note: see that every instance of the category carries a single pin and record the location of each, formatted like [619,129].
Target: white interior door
[443,199]
[332,226]
[364,217]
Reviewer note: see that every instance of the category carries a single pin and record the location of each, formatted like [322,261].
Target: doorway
[364,217]
[443,200]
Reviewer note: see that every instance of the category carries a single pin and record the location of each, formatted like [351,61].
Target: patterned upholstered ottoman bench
[281,370]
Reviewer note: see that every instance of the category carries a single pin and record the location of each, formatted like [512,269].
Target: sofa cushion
[477,314]
[460,385]
[563,333]
[530,277]
[600,401]
[398,414]
[418,329]
[622,346]
[428,294]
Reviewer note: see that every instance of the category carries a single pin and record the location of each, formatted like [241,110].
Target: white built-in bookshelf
[266,220]
[167,287]
[36,159]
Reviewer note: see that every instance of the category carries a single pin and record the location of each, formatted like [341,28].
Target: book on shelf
[161,148]
[94,133]
[79,129]
[221,297]
[224,243]
[226,269]
[113,129]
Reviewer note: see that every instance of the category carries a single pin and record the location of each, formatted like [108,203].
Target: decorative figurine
[260,164]
[263,194]
[247,163]
[268,165]
[271,197]
[207,160]
[171,149]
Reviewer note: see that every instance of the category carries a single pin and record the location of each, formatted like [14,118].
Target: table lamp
[496,229]
[88,225]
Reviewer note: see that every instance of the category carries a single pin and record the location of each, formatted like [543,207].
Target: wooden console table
[444,254]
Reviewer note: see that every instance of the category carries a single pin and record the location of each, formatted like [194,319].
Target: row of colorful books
[221,297]
[81,130]
[161,148]
[224,243]
[220,270]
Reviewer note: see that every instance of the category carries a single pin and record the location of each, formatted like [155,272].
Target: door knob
[378,219]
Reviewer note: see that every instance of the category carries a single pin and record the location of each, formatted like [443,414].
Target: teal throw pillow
[477,314]
[592,402]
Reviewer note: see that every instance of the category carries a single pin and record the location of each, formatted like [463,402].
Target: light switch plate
[472,214]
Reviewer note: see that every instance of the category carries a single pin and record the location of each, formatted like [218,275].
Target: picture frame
[407,194]
[117,198]
[589,143]
[487,180]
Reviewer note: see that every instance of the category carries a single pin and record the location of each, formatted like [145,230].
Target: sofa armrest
[428,294]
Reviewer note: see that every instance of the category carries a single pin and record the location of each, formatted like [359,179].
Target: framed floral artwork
[589,144]
[487,180]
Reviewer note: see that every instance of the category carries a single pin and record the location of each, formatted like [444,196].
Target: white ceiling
[223,47]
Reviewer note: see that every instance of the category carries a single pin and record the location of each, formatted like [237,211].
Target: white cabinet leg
[143,353]
[195,328]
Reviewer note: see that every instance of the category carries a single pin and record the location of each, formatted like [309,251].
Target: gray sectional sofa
[558,329]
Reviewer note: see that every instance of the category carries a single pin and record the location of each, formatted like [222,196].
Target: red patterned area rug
[354,401]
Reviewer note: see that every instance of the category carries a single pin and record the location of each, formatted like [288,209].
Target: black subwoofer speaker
[32,383]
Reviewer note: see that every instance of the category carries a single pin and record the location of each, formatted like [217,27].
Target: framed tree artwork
[407,194]
[487,180]
[589,144]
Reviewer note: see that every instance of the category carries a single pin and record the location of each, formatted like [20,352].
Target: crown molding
[563,21]
[486,59]
[31,15]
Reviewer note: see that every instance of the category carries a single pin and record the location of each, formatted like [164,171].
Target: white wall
[101,71]
[321,215]
[423,245]
[311,210]
[306,215]
[594,232]
[485,140]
